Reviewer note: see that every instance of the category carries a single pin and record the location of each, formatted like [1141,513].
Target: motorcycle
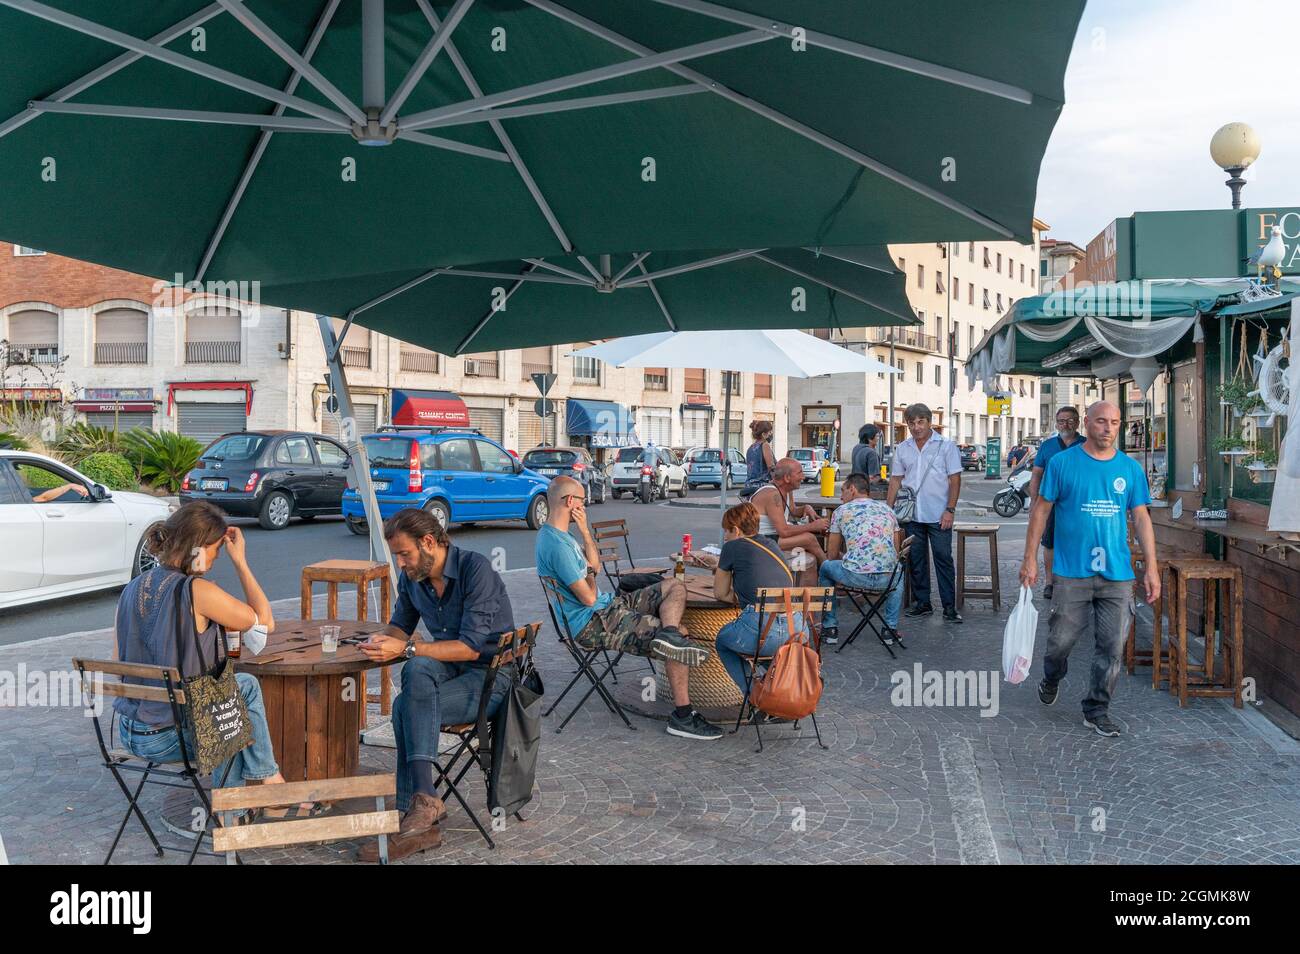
[649,486]
[1013,498]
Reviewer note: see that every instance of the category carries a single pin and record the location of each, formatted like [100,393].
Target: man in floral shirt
[861,552]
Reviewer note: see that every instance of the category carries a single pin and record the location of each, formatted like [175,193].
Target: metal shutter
[656,424]
[695,428]
[531,433]
[488,421]
[366,415]
[123,420]
[207,422]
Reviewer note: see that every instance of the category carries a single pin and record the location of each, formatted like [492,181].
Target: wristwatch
[409,651]
[951,510]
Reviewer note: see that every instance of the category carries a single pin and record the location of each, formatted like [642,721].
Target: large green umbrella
[338,140]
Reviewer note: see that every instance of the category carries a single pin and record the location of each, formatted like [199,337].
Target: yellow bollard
[827,477]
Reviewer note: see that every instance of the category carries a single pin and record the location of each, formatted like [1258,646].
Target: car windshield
[707,456]
[630,455]
[549,458]
[236,447]
[801,453]
[388,451]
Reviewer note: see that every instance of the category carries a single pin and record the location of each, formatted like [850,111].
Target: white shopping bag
[1018,641]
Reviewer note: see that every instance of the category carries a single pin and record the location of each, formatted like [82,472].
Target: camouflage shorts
[626,624]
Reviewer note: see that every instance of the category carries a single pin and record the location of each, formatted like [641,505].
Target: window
[34,337]
[1011,268]
[330,454]
[956,289]
[697,381]
[920,276]
[938,370]
[762,385]
[213,335]
[902,265]
[986,256]
[656,379]
[293,450]
[970,253]
[970,289]
[970,336]
[456,454]
[1031,388]
[986,298]
[938,333]
[1076,390]
[38,478]
[731,382]
[999,308]
[534,361]
[920,372]
[956,249]
[952,383]
[586,370]
[1042,267]
[493,460]
[939,285]
[25,250]
[956,338]
[121,336]
[999,269]
[482,365]
[414,358]
[1022,272]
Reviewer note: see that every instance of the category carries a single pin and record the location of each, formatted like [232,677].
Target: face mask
[254,640]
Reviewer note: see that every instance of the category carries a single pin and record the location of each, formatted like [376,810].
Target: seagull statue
[1269,256]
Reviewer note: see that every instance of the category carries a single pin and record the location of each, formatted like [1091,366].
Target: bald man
[777,511]
[1092,488]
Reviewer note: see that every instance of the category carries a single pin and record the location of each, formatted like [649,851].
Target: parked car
[575,462]
[73,544]
[625,473]
[704,466]
[972,456]
[271,475]
[812,459]
[457,475]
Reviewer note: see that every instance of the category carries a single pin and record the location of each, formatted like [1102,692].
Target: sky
[1149,82]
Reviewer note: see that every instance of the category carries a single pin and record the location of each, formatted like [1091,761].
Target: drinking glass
[329,639]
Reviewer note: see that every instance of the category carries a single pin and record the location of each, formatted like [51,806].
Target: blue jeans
[940,541]
[740,637]
[435,693]
[833,573]
[255,762]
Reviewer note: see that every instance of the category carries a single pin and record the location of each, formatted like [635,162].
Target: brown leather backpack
[792,685]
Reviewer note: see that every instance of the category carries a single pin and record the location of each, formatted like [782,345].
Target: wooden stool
[362,573]
[1213,573]
[1156,657]
[993,590]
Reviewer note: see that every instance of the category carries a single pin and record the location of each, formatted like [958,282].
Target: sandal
[294,812]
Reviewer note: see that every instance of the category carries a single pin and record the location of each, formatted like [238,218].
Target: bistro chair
[118,760]
[870,603]
[581,656]
[608,534]
[478,737]
[806,600]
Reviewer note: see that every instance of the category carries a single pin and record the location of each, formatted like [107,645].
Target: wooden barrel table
[710,685]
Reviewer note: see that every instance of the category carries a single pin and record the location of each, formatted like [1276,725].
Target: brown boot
[424,813]
[401,845]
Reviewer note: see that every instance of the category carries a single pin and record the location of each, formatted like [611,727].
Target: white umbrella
[786,352]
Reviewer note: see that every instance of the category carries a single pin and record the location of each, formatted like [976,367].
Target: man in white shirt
[930,466]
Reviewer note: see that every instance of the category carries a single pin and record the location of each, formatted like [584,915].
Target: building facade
[958,291]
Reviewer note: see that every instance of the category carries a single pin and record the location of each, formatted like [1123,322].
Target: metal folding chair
[806,600]
[582,657]
[871,603]
[476,738]
[607,534]
[118,761]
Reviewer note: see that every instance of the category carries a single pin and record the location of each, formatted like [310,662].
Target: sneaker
[1047,693]
[920,609]
[950,615]
[830,635]
[1047,592]
[1102,724]
[891,636]
[693,726]
[672,645]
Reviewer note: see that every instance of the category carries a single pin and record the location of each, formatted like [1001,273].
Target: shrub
[12,440]
[112,470]
[162,459]
[81,441]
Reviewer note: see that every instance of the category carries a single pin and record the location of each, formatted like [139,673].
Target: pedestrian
[865,459]
[1092,487]
[929,465]
[759,458]
[1066,436]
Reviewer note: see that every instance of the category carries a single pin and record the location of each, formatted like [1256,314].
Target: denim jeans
[940,541]
[740,637]
[834,573]
[435,693]
[1093,605]
[255,762]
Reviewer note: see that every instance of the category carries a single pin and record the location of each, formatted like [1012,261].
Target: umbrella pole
[726,462]
[357,460]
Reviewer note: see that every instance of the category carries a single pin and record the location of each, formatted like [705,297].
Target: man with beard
[463,604]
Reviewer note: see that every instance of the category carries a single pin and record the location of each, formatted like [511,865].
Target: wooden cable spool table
[710,685]
[314,701]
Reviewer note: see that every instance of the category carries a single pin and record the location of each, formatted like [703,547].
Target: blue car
[459,476]
[704,466]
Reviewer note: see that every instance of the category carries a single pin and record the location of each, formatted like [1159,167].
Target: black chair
[606,534]
[582,657]
[118,761]
[476,738]
[871,603]
[771,604]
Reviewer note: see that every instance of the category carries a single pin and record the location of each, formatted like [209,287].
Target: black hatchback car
[271,475]
[575,462]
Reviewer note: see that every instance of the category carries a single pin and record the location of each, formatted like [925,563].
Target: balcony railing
[212,352]
[656,382]
[33,353]
[354,357]
[480,368]
[527,369]
[121,352]
[425,361]
[906,338]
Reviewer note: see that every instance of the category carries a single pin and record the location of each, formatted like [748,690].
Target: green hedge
[112,470]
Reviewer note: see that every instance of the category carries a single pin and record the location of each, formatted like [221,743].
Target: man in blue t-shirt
[1066,436]
[1092,488]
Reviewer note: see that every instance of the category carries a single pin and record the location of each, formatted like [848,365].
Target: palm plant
[84,440]
[162,459]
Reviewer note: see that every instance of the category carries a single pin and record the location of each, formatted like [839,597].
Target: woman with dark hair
[759,458]
[186,546]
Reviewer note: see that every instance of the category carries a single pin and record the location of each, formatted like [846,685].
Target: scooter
[1010,500]
[649,486]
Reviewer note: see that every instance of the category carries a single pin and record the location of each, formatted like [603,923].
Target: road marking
[969,816]
[4,858]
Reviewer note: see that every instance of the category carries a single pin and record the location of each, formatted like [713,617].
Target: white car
[811,459]
[625,473]
[71,544]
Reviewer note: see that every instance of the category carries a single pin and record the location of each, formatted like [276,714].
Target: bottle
[679,569]
[232,644]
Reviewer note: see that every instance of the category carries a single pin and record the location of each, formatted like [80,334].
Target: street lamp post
[1233,148]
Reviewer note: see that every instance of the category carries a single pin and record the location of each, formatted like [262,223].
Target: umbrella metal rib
[422,63]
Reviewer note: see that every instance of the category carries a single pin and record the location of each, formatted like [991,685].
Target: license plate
[213,483]
[379,484]
[547,470]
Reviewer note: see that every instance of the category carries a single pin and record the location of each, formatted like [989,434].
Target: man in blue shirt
[644,622]
[464,606]
[1066,436]
[1092,488]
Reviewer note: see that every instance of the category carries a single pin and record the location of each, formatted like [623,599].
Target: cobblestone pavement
[898,783]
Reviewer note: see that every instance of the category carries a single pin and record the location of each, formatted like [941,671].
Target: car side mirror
[518,465]
[100,492]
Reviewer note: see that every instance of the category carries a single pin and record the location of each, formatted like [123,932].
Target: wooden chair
[993,589]
[608,534]
[1189,679]
[362,573]
[871,603]
[771,604]
[119,760]
[379,823]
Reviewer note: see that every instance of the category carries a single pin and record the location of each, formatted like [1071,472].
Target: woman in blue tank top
[759,458]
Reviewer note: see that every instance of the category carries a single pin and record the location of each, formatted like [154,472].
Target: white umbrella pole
[726,461]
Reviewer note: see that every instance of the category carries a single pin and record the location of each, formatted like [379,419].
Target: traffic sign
[332,404]
[544,382]
[999,406]
[544,408]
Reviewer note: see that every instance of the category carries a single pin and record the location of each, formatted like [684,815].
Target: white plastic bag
[1018,640]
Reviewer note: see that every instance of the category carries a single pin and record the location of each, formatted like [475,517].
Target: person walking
[1092,487]
[865,459]
[759,458]
[1066,436]
[929,465]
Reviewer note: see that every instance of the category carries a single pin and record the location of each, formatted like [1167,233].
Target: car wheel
[277,508]
[728,482]
[144,560]
[600,496]
[439,511]
[538,512]
[358,527]
[681,491]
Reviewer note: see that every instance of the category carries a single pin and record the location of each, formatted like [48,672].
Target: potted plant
[1232,445]
[1263,466]
[1236,394]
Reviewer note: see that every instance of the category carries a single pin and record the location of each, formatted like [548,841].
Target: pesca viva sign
[1257,228]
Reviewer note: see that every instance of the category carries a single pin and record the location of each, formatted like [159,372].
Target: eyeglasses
[567,497]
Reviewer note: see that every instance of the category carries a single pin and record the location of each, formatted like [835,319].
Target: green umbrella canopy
[228,141]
